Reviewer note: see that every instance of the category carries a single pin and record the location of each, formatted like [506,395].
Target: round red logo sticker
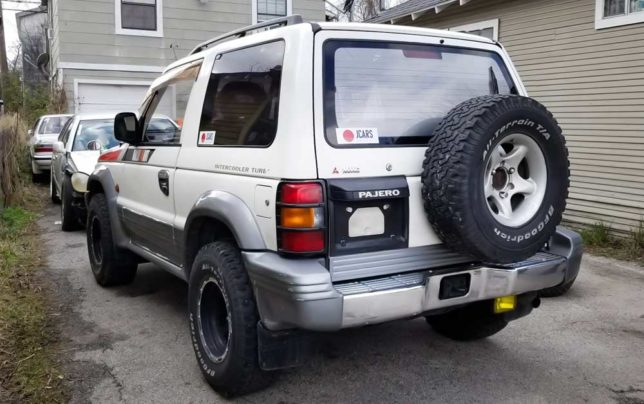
[203,137]
[348,135]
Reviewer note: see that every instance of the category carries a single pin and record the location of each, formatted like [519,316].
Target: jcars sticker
[207,137]
[357,135]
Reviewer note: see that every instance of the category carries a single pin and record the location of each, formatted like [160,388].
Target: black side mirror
[126,128]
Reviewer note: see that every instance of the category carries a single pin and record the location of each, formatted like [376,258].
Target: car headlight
[79,182]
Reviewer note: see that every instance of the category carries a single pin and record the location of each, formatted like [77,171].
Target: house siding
[87,29]
[592,81]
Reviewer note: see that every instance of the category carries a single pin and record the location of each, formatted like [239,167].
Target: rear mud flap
[283,349]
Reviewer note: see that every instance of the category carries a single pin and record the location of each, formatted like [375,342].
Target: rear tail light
[43,148]
[300,218]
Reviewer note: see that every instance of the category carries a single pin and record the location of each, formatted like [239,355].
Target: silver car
[41,140]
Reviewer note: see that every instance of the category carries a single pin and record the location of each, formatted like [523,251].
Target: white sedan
[75,155]
[41,138]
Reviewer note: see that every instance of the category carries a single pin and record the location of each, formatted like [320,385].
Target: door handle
[164,182]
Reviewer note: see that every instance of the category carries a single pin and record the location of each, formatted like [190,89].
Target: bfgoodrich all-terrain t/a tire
[495,178]
[111,265]
[223,321]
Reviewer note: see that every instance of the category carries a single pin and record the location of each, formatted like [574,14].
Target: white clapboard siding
[591,80]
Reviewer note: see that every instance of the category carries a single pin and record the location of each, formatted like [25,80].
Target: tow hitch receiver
[454,286]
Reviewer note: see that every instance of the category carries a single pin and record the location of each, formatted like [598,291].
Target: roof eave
[437,8]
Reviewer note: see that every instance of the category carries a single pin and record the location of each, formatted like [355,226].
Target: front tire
[68,215]
[223,321]
[110,265]
[469,323]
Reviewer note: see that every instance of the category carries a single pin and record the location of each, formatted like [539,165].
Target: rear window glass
[388,94]
[52,124]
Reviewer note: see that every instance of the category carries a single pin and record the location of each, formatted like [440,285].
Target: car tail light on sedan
[43,148]
[301,218]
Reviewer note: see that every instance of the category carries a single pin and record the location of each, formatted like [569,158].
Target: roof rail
[242,32]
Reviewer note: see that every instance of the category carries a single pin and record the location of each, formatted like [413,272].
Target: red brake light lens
[302,193]
[303,241]
[301,207]
[43,149]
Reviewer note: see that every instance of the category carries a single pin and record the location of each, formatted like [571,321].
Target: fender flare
[102,176]
[232,212]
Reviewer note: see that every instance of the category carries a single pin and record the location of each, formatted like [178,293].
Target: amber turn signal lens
[299,218]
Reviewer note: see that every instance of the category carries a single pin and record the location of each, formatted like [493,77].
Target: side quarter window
[163,119]
[242,99]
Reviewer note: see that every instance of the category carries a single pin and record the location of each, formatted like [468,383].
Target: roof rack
[242,32]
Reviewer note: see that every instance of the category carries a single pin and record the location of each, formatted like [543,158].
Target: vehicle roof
[95,115]
[54,115]
[401,29]
[342,26]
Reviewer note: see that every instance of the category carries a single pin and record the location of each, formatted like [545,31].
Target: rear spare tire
[495,177]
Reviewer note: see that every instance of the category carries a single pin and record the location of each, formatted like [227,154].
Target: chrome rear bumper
[543,271]
[300,293]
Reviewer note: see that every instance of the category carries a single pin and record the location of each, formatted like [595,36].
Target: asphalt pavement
[131,344]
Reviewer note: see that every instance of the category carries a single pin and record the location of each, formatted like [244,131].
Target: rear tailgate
[377,102]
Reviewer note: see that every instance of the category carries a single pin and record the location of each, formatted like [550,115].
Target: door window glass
[242,100]
[164,117]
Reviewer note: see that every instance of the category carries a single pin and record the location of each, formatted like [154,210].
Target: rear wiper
[493,83]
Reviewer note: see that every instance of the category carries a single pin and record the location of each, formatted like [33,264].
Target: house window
[264,10]
[613,13]
[488,29]
[139,17]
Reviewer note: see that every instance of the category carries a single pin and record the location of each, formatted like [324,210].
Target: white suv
[326,176]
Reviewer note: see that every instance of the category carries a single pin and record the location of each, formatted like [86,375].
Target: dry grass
[29,369]
[599,240]
[12,150]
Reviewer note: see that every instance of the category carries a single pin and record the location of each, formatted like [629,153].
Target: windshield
[387,94]
[95,134]
[52,124]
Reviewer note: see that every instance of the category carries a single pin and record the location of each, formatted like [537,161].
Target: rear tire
[223,321]
[558,290]
[68,214]
[469,323]
[36,173]
[110,265]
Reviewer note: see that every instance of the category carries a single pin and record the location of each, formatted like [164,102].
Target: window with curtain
[139,14]
[622,7]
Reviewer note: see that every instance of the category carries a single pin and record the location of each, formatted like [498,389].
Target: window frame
[118,22]
[217,57]
[494,24]
[289,9]
[508,67]
[153,94]
[602,22]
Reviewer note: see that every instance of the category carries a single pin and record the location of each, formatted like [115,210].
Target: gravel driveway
[131,344]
